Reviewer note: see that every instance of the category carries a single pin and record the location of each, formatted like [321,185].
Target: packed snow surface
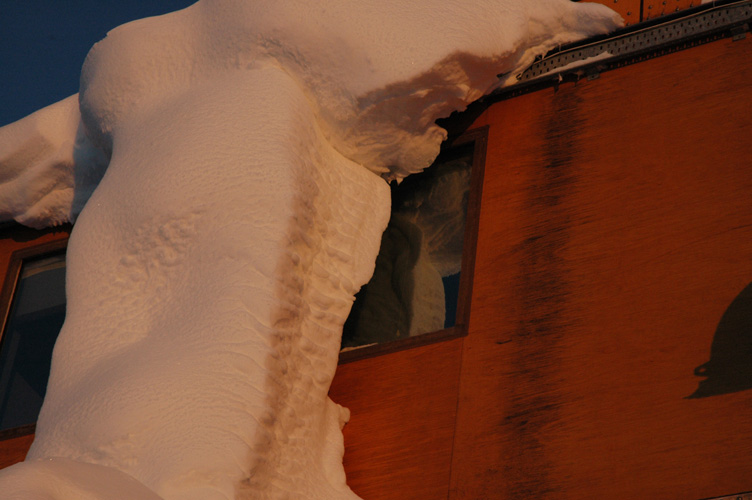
[234,147]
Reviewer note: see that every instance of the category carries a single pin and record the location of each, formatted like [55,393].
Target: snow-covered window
[421,284]
[33,309]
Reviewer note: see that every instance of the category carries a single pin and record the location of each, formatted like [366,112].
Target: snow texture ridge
[225,161]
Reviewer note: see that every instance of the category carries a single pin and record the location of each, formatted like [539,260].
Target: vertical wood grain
[615,232]
[398,444]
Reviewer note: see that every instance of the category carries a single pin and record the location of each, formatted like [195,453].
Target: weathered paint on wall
[615,236]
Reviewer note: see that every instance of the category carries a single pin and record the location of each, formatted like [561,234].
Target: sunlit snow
[229,161]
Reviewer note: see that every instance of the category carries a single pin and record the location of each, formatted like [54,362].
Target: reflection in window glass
[415,285]
[34,322]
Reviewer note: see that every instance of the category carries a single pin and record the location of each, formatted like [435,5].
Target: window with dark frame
[420,289]
[33,311]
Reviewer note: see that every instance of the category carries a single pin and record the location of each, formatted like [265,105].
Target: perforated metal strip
[738,496]
[699,24]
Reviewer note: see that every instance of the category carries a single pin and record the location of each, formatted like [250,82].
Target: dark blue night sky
[43,44]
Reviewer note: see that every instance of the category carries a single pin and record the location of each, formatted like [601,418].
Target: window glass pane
[415,286]
[34,322]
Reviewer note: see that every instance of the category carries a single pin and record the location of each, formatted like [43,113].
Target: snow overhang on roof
[589,58]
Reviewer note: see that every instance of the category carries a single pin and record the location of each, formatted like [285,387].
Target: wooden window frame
[7,296]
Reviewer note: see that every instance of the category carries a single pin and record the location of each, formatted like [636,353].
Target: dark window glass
[36,316]
[415,286]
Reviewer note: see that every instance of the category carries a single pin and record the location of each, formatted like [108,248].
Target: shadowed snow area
[226,163]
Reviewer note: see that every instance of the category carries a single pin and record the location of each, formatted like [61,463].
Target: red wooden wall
[615,234]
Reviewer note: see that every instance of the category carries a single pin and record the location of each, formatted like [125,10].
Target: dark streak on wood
[542,289]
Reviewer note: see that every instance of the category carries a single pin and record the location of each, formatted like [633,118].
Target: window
[420,289]
[33,300]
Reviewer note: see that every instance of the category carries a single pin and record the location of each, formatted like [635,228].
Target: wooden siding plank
[615,234]
[398,443]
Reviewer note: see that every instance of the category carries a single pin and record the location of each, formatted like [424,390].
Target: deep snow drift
[211,270]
